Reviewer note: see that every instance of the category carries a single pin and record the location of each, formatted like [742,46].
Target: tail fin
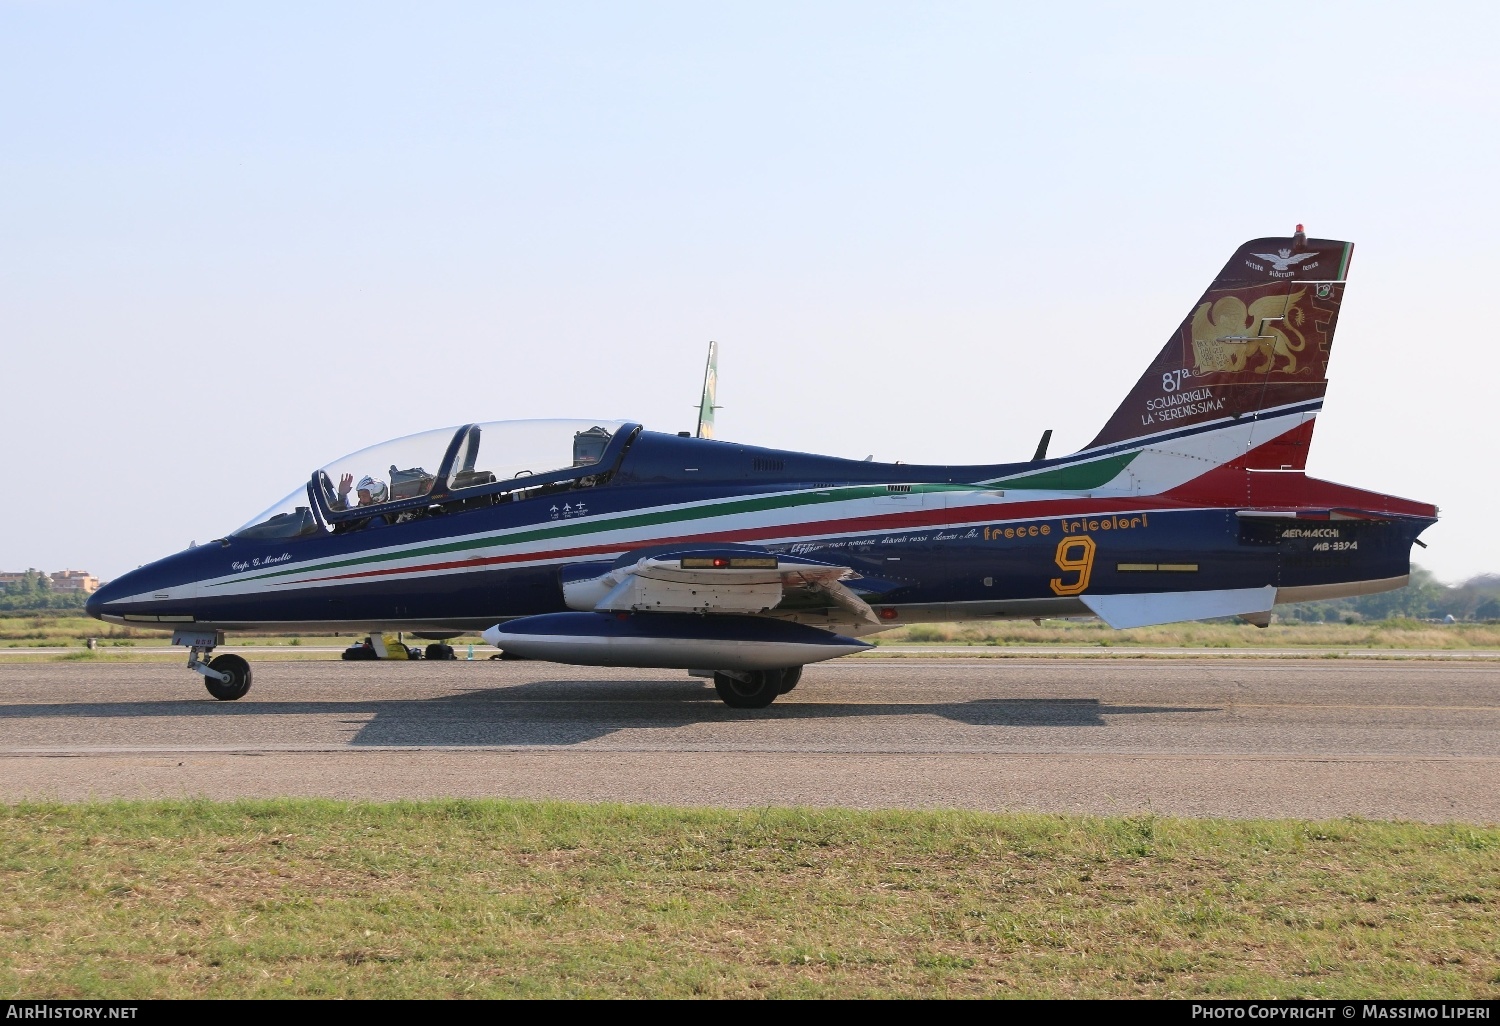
[1254,346]
[706,405]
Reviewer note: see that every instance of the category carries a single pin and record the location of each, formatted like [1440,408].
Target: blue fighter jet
[599,542]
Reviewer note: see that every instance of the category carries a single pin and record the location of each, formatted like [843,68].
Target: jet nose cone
[99,603]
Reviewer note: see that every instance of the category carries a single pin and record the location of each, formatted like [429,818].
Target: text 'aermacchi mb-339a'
[602,543]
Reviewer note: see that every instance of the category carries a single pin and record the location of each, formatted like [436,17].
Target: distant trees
[34,591]
[1424,598]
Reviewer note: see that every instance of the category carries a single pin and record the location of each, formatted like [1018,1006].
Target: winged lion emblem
[1227,334]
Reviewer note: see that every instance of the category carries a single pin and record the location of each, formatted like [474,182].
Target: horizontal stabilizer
[1147,610]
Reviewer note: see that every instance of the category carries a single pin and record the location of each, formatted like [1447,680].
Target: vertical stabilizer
[1252,351]
[706,405]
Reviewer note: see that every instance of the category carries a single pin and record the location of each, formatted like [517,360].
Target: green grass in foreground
[500,898]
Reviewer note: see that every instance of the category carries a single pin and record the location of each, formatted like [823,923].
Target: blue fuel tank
[669,641]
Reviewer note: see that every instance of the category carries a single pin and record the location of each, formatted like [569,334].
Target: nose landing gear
[227,677]
[233,680]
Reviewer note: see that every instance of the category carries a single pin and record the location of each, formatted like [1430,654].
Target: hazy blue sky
[238,240]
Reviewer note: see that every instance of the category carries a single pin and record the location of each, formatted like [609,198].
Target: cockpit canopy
[400,469]
[458,462]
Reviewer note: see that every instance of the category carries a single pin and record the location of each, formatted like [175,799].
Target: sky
[239,240]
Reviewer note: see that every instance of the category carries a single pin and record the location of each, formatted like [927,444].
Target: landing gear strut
[754,689]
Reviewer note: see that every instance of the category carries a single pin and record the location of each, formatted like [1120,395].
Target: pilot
[370,492]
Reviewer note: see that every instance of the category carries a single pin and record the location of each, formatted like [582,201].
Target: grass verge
[501,898]
[40,630]
[1395,634]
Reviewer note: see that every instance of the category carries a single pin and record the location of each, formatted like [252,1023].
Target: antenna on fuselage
[706,405]
[1041,447]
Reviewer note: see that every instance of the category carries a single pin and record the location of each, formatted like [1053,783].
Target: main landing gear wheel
[238,682]
[757,690]
[789,678]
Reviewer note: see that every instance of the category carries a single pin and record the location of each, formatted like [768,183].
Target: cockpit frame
[319,486]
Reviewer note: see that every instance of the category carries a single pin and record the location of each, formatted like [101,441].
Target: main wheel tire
[756,693]
[238,682]
[789,678]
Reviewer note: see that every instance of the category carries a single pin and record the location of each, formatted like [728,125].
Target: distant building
[70,581]
[75,580]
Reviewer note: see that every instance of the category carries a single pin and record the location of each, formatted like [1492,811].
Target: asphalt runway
[1309,738]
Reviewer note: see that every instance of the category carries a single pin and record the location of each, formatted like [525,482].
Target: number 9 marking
[1082,565]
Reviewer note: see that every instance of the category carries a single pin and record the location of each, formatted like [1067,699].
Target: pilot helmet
[375,487]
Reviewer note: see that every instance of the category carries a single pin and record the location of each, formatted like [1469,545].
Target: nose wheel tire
[757,692]
[239,678]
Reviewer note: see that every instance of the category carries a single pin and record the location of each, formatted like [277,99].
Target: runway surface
[973,651]
[1301,738]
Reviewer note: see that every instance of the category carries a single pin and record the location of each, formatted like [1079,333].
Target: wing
[737,581]
[1297,259]
[710,607]
[1274,258]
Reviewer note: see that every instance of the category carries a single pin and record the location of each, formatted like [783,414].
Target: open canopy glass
[292,517]
[404,468]
[409,468]
[507,450]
